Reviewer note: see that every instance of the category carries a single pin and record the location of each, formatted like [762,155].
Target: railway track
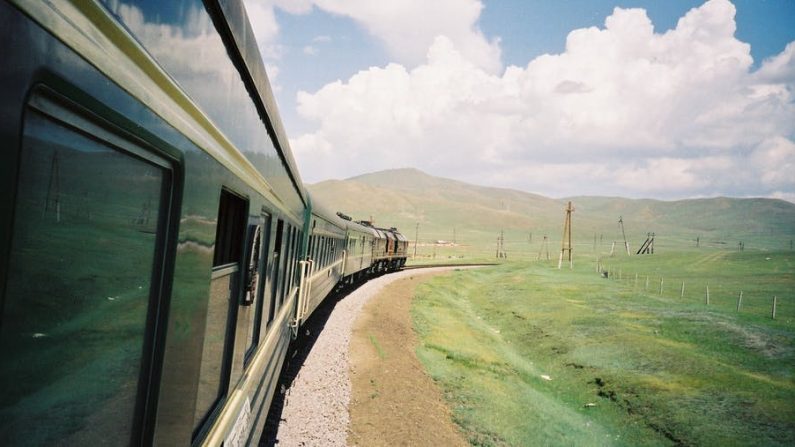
[481,264]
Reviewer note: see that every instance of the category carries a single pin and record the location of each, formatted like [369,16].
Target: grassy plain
[530,355]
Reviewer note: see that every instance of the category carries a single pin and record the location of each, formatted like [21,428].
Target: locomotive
[159,248]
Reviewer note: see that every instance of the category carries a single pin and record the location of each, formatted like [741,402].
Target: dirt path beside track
[338,388]
[393,401]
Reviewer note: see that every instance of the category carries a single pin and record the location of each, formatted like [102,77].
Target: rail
[425,266]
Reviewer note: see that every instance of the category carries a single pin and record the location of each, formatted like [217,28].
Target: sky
[657,99]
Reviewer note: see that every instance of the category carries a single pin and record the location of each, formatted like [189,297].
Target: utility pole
[416,234]
[501,245]
[623,234]
[565,243]
[648,245]
[544,245]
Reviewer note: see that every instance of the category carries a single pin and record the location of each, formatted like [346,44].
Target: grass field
[530,355]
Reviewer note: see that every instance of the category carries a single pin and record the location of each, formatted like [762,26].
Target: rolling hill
[448,209]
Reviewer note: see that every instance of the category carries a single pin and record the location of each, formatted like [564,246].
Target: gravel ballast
[315,409]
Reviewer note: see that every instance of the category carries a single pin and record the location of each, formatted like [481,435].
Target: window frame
[80,113]
[265,221]
[235,269]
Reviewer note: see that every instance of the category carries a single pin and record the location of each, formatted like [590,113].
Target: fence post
[773,316]
[740,301]
[661,285]
[706,299]
[682,293]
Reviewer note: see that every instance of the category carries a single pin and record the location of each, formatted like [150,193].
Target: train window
[291,268]
[297,279]
[277,271]
[285,265]
[83,279]
[228,242]
[294,259]
[255,321]
[221,306]
[326,251]
[288,253]
[321,252]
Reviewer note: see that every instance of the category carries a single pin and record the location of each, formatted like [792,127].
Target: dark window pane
[228,236]
[75,305]
[277,271]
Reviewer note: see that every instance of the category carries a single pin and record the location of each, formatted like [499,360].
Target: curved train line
[160,250]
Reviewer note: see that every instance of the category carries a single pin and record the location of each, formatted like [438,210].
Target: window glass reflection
[181,36]
[75,303]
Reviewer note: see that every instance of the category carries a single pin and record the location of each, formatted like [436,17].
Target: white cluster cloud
[406,27]
[621,111]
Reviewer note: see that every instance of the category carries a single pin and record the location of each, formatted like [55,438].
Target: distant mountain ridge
[407,196]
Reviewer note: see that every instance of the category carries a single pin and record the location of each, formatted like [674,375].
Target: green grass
[627,366]
[377,346]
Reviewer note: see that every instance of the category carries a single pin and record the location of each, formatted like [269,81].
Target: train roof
[239,25]
[320,209]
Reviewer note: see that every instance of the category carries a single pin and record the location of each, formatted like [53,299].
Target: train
[159,249]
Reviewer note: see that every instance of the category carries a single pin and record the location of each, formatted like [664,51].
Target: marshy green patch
[530,355]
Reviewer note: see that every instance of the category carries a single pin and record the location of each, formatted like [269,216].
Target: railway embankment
[323,385]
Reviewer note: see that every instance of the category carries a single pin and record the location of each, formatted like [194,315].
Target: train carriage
[154,225]
[324,264]
[359,252]
[390,250]
[159,247]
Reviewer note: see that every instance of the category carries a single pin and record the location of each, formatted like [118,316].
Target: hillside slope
[446,208]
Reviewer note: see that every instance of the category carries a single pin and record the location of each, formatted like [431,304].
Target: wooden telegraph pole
[416,236]
[565,244]
[544,245]
[623,235]
[501,254]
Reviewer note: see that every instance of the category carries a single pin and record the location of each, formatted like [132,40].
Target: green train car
[158,247]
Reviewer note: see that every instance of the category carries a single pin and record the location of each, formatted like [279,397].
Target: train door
[361,259]
[255,317]
[278,249]
[221,314]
